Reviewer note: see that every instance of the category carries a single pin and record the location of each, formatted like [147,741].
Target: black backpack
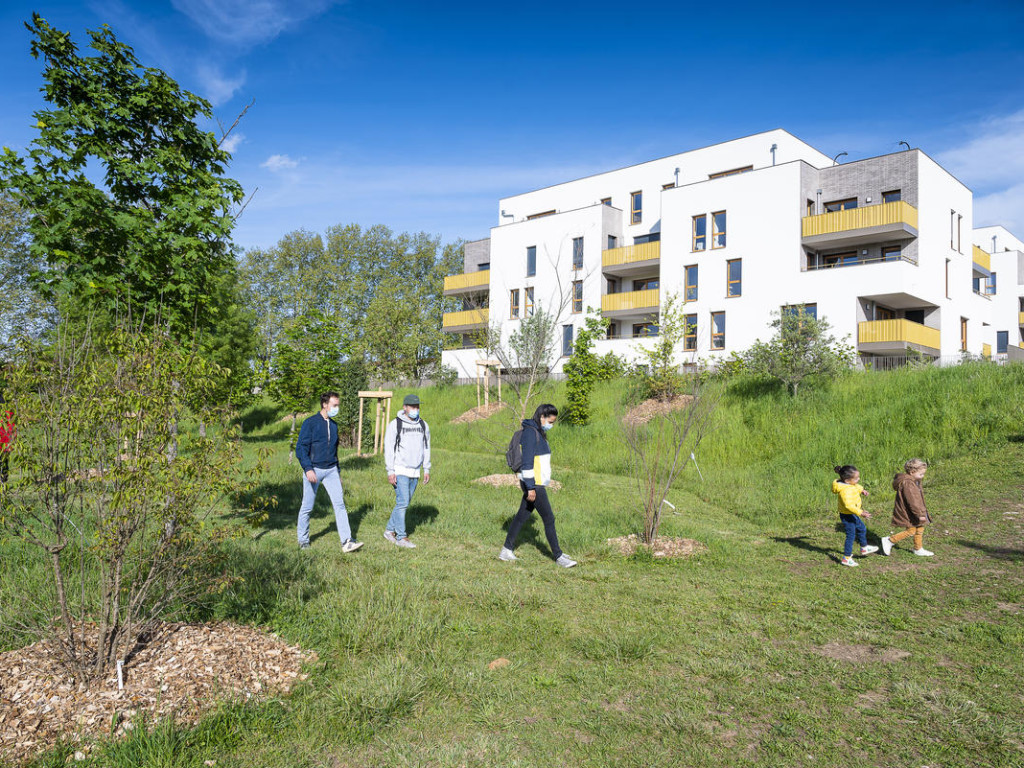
[514,452]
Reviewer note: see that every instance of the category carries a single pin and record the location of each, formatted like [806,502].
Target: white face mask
[332,412]
[414,413]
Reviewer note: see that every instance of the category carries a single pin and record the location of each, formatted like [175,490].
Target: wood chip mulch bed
[182,672]
[508,480]
[478,414]
[648,409]
[664,546]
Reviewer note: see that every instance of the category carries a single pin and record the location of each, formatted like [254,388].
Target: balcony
[1020,318]
[469,282]
[859,226]
[899,335]
[631,258]
[982,261]
[465,321]
[630,303]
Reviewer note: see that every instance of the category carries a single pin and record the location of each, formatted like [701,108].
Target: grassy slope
[710,661]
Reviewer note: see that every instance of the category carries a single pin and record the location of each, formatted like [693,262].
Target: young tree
[801,347]
[663,380]
[583,369]
[152,233]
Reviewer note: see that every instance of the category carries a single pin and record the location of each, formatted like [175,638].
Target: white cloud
[277,163]
[991,163]
[232,142]
[248,22]
[217,87]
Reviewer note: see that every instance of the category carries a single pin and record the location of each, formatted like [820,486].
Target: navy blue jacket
[534,444]
[317,445]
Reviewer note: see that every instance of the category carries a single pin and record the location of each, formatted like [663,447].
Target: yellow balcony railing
[860,218]
[982,259]
[638,300]
[986,351]
[899,330]
[1020,318]
[631,254]
[479,279]
[466,317]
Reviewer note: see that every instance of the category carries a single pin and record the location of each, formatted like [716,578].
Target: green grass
[715,660]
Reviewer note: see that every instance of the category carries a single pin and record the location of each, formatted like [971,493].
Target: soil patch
[860,653]
[648,409]
[182,672]
[508,480]
[663,546]
[478,414]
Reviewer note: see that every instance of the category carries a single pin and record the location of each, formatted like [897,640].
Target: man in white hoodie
[406,451]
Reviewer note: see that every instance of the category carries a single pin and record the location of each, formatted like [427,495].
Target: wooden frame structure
[483,375]
[380,419]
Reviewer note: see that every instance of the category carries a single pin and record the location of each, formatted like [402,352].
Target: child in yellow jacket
[849,490]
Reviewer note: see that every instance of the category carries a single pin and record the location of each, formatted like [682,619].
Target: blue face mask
[414,413]
[546,427]
[332,412]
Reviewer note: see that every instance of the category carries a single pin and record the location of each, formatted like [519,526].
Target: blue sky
[421,115]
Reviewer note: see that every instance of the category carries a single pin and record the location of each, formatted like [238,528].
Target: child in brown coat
[909,510]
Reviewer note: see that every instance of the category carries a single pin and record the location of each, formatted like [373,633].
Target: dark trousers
[855,529]
[543,507]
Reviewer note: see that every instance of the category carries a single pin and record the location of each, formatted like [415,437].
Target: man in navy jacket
[317,452]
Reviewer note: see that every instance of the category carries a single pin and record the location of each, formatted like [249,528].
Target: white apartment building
[884,248]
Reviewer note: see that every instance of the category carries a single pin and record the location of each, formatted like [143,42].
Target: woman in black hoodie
[533,479]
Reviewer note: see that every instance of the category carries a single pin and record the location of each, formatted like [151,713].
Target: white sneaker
[507,555]
[870,549]
[886,546]
[405,543]
[923,553]
[849,561]
[565,561]
[390,536]
[351,545]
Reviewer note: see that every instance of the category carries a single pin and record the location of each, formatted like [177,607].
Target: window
[1002,342]
[606,201]
[577,253]
[914,315]
[976,284]
[644,329]
[513,311]
[540,215]
[841,205]
[531,260]
[811,310]
[613,286]
[955,220]
[613,242]
[646,284]
[577,295]
[700,232]
[718,330]
[690,291]
[690,337]
[651,237]
[483,267]
[844,259]
[963,334]
[636,207]
[892,196]
[566,340]
[718,229]
[892,253]
[732,172]
[734,277]
[529,303]
[810,208]
[667,186]
[884,313]
[613,331]
[947,278]
[959,221]
[990,289]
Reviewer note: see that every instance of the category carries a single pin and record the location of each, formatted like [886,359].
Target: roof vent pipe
[993,243]
[772,150]
[506,215]
[835,160]
[677,176]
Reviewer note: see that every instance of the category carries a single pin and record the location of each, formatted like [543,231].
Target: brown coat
[909,509]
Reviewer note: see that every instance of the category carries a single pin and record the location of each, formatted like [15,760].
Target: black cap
[411,400]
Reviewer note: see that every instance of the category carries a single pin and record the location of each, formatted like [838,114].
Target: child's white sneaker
[870,549]
[923,553]
[849,561]
[886,546]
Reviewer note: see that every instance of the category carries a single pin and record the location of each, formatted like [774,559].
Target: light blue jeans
[331,480]
[405,487]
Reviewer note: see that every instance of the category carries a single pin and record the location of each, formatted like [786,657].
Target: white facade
[796,229]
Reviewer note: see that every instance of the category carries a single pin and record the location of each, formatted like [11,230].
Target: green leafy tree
[306,363]
[127,199]
[802,347]
[584,369]
[663,379]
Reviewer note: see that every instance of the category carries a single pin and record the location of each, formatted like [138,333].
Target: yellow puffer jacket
[849,497]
